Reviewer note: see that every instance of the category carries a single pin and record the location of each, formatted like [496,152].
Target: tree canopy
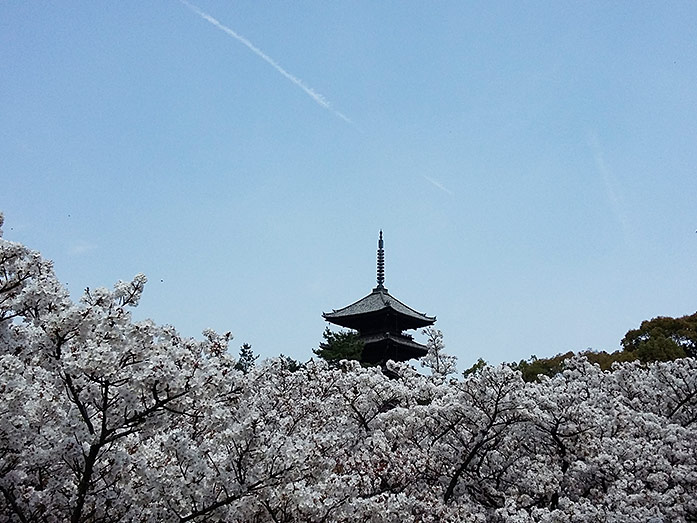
[663,338]
[339,345]
[437,360]
[659,339]
[246,359]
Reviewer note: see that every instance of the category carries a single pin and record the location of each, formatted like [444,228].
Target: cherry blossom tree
[106,419]
[439,363]
[82,387]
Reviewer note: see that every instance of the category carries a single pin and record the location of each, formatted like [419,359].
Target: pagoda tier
[378,348]
[377,311]
[380,319]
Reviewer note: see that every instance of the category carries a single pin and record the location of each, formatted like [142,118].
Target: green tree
[659,339]
[337,346]
[289,363]
[246,359]
[663,338]
[475,368]
[606,359]
[534,366]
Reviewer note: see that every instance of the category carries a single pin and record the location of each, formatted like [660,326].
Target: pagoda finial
[381,262]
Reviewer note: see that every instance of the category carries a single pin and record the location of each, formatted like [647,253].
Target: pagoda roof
[400,340]
[378,301]
[387,346]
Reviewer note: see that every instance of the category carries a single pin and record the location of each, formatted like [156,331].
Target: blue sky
[533,164]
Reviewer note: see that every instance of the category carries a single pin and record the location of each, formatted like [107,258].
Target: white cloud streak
[437,184]
[317,97]
[612,191]
[79,248]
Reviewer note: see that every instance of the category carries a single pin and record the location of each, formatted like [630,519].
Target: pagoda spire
[381,263]
[381,320]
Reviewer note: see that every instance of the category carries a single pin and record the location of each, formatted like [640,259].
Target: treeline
[659,339]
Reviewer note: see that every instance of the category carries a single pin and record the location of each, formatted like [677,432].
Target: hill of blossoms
[106,419]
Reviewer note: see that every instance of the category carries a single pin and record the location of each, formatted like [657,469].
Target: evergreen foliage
[663,338]
[289,364]
[659,339]
[475,368]
[337,346]
[246,359]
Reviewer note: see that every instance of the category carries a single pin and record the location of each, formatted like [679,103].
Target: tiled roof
[401,340]
[376,301]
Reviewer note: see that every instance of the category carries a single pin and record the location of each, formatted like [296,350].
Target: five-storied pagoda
[381,320]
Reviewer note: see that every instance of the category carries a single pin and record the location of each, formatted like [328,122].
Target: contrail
[437,184]
[317,97]
[611,185]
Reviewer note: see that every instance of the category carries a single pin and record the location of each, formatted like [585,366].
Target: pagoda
[381,320]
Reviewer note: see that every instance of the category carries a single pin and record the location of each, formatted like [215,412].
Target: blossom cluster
[103,418]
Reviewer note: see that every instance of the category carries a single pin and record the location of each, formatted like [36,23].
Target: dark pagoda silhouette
[381,320]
